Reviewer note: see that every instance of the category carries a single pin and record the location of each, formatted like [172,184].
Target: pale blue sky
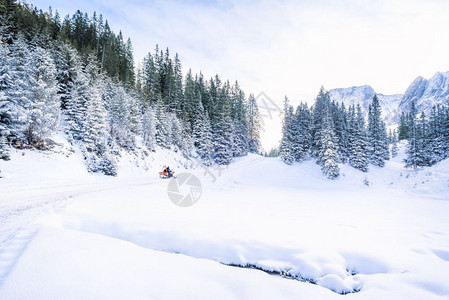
[288,47]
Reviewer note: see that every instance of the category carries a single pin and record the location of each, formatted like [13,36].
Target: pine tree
[377,134]
[253,116]
[301,128]
[414,148]
[5,83]
[286,147]
[76,95]
[223,132]
[44,112]
[163,126]
[436,147]
[394,147]
[149,128]
[328,153]
[95,138]
[16,89]
[123,115]
[320,108]
[176,132]
[202,137]
[358,144]
[177,94]
[222,142]
[341,131]
[241,134]
[4,148]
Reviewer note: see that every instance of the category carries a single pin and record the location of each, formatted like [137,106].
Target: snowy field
[261,230]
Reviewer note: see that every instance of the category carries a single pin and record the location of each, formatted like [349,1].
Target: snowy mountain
[427,93]
[363,95]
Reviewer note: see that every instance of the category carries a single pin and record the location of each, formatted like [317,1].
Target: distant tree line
[331,133]
[427,136]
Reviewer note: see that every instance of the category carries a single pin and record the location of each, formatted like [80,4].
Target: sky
[287,47]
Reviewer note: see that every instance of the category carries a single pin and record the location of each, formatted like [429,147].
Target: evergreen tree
[377,134]
[239,115]
[320,108]
[253,116]
[436,148]
[394,147]
[301,127]
[149,128]
[286,147]
[163,126]
[76,105]
[202,137]
[177,94]
[176,132]
[358,144]
[4,148]
[95,138]
[328,153]
[16,89]
[44,112]
[414,149]
[222,142]
[341,131]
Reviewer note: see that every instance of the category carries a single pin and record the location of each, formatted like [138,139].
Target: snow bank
[122,237]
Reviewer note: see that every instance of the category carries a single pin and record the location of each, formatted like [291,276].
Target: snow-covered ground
[67,234]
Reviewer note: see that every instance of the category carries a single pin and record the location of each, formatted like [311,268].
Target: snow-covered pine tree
[14,81]
[384,142]
[5,82]
[377,134]
[163,126]
[424,142]
[148,80]
[95,138]
[301,127]
[286,147]
[394,146]
[76,96]
[190,103]
[358,145]
[328,153]
[223,134]
[4,148]
[176,132]
[123,114]
[436,147]
[44,114]
[340,123]
[149,128]
[240,121]
[319,109]
[187,148]
[254,125]
[415,145]
[202,137]
[222,142]
[177,93]
[403,130]
[445,131]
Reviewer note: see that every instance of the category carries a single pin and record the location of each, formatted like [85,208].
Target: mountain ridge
[425,92]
